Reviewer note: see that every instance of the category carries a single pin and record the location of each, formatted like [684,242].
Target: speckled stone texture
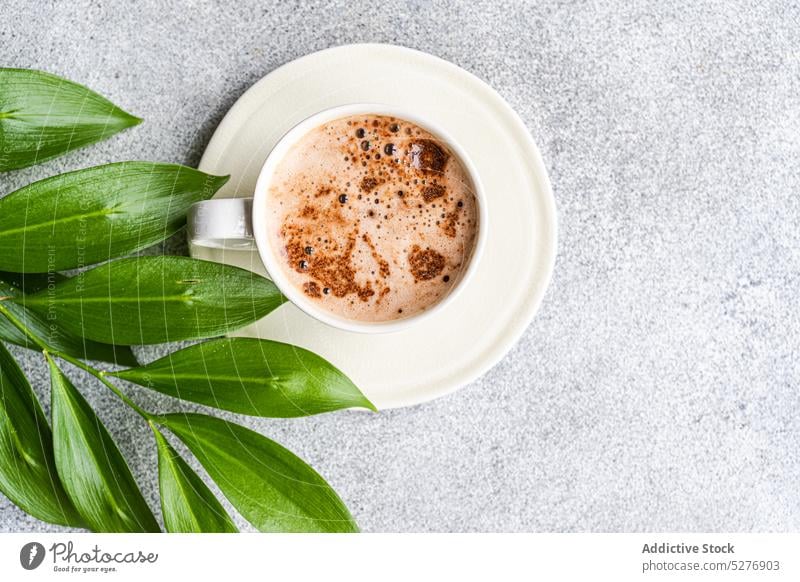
[657,389]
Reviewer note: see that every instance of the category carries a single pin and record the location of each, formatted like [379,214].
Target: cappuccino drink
[372,217]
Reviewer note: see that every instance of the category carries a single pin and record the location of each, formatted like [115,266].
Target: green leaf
[187,504]
[92,215]
[55,336]
[251,376]
[148,300]
[43,116]
[30,282]
[270,486]
[27,469]
[93,471]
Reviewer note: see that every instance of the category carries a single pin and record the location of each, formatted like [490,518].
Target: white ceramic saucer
[465,339]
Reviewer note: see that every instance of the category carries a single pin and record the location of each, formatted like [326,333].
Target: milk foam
[372,217]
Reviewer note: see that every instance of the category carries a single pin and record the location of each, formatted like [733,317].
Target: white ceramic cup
[240,223]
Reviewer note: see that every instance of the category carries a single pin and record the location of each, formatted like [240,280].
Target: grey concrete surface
[657,389]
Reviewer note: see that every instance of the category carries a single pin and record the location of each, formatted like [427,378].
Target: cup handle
[224,223]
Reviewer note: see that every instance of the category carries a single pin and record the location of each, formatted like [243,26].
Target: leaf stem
[99,374]
[23,328]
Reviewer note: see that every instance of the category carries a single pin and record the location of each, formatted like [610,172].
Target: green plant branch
[99,374]
[296,498]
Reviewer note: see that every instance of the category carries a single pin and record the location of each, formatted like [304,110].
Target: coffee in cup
[367,217]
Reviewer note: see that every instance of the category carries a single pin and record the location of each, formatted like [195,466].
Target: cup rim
[270,260]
